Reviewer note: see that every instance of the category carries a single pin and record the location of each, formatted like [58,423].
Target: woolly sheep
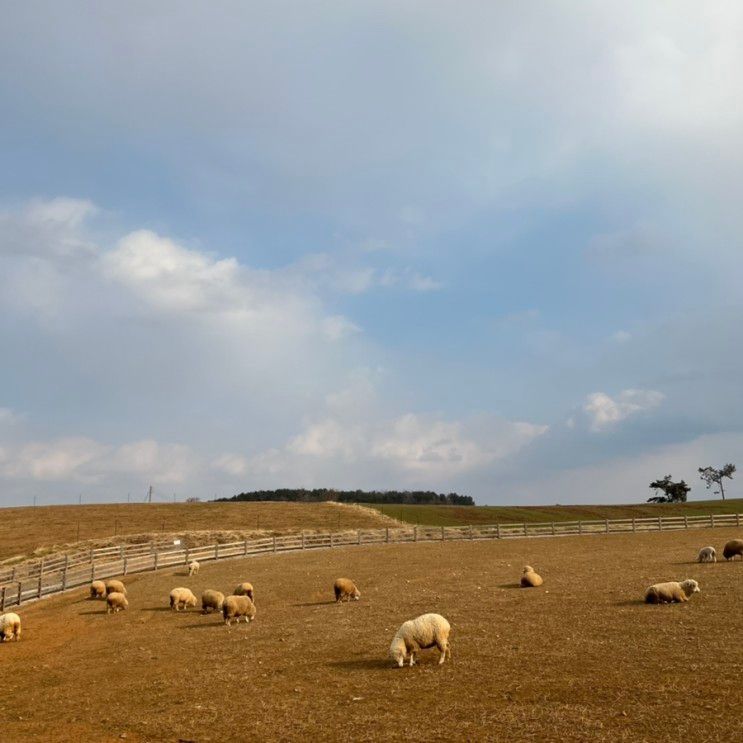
[211,600]
[97,589]
[116,602]
[182,598]
[235,607]
[115,586]
[245,589]
[732,548]
[530,579]
[669,593]
[427,631]
[707,554]
[193,568]
[10,627]
[345,589]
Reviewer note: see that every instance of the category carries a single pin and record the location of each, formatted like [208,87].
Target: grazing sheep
[416,634]
[115,586]
[193,568]
[345,589]
[530,579]
[10,627]
[707,554]
[116,602]
[182,598]
[97,589]
[211,600]
[245,589]
[669,593]
[235,607]
[732,548]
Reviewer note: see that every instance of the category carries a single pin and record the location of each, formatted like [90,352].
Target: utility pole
[149,495]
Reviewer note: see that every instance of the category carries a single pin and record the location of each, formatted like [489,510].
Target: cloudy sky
[485,247]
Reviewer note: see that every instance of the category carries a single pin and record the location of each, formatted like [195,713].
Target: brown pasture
[581,658]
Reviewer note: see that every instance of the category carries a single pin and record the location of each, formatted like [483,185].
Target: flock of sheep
[426,631]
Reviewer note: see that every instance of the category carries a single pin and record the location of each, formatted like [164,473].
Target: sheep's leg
[412,658]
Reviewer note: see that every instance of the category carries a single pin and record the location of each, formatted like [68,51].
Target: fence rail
[35,579]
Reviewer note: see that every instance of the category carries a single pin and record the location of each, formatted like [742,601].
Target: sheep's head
[528,569]
[690,586]
[397,651]
[356,594]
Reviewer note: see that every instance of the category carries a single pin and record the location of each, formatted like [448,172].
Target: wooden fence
[35,579]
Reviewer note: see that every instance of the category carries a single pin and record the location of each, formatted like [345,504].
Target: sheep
[10,627]
[416,634]
[97,589]
[235,607]
[669,593]
[530,579]
[245,589]
[193,568]
[345,589]
[211,600]
[116,602]
[732,548]
[707,554]
[115,586]
[182,598]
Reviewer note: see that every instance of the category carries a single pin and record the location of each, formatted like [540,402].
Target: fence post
[358,534]
[387,535]
[607,526]
[686,521]
[737,519]
[92,571]
[2,598]
[274,543]
[553,528]
[126,564]
[497,531]
[245,545]
[14,573]
[188,551]
[20,592]
[525,532]
[711,520]
[471,535]
[38,592]
[660,523]
[216,551]
[442,533]
[633,525]
[64,572]
[121,552]
[415,533]
[580,527]
[157,554]
[331,538]
[302,540]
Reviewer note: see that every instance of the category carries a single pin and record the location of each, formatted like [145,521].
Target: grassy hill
[464,515]
[24,531]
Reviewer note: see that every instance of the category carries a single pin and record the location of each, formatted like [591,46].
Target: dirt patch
[582,657]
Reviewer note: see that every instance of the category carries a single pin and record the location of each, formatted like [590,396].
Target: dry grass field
[580,658]
[24,531]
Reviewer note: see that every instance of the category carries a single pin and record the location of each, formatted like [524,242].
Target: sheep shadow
[203,625]
[99,611]
[367,664]
[332,602]
[510,585]
[159,608]
[630,602]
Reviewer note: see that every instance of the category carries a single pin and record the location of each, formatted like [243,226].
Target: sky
[490,248]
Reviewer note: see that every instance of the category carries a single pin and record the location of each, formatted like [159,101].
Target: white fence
[35,579]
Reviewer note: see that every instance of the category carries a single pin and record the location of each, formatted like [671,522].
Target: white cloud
[621,336]
[603,411]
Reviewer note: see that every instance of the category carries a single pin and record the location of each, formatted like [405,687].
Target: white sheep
[235,607]
[529,578]
[182,598]
[416,634]
[672,592]
[707,554]
[193,568]
[116,602]
[115,586]
[10,627]
[211,600]
[245,589]
[97,589]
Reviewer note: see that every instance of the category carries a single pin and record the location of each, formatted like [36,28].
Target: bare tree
[714,476]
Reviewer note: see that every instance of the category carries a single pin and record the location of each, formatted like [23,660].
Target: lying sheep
[115,586]
[235,607]
[97,589]
[670,593]
[211,600]
[417,634]
[732,548]
[707,554]
[182,598]
[116,602]
[245,589]
[345,589]
[10,627]
[193,568]
[530,579]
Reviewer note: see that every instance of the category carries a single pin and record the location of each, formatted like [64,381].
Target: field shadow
[317,603]
[362,664]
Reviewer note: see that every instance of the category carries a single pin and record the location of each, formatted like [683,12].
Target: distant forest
[416,497]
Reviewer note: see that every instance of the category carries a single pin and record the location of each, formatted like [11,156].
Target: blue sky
[480,247]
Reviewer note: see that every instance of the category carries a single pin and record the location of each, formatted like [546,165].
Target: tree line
[676,492]
[301,495]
